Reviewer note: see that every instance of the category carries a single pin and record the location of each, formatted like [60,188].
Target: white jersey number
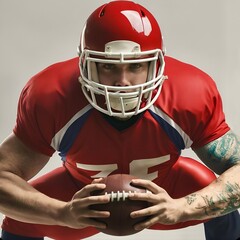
[138,168]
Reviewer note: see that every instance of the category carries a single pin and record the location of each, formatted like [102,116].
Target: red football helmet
[121,32]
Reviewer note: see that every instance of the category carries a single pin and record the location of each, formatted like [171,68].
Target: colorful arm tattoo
[220,155]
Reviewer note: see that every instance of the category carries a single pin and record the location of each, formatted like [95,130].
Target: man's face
[122,74]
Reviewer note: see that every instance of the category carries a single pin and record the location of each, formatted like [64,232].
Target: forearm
[22,202]
[219,198]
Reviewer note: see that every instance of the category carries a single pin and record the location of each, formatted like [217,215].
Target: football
[120,206]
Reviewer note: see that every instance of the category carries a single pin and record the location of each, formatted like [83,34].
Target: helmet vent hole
[102,13]
[142,12]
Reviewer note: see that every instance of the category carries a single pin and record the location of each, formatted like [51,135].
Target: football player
[122,106]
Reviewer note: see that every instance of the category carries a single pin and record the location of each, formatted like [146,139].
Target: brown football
[120,223]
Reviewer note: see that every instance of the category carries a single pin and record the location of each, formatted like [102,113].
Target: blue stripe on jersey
[10,236]
[71,134]
[172,133]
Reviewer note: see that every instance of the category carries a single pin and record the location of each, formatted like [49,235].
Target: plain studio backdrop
[35,34]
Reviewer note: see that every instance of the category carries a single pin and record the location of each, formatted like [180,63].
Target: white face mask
[119,101]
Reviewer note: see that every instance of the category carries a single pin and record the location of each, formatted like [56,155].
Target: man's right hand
[77,213]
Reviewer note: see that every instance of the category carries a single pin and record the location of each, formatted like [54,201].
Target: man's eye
[135,66]
[108,66]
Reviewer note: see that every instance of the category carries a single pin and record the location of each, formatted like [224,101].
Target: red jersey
[53,115]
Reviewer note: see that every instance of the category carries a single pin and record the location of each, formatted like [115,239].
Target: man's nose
[122,79]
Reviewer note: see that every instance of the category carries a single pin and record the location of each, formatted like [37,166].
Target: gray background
[34,34]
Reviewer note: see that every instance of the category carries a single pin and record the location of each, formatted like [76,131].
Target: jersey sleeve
[193,101]
[34,122]
[210,121]
[47,102]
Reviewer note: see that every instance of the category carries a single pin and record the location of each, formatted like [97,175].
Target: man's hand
[163,209]
[77,213]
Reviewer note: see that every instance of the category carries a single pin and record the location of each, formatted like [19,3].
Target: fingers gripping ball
[120,206]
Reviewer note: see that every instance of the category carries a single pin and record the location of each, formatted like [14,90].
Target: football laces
[119,195]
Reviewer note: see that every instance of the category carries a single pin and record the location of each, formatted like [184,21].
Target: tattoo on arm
[226,147]
[191,198]
[226,201]
[221,153]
